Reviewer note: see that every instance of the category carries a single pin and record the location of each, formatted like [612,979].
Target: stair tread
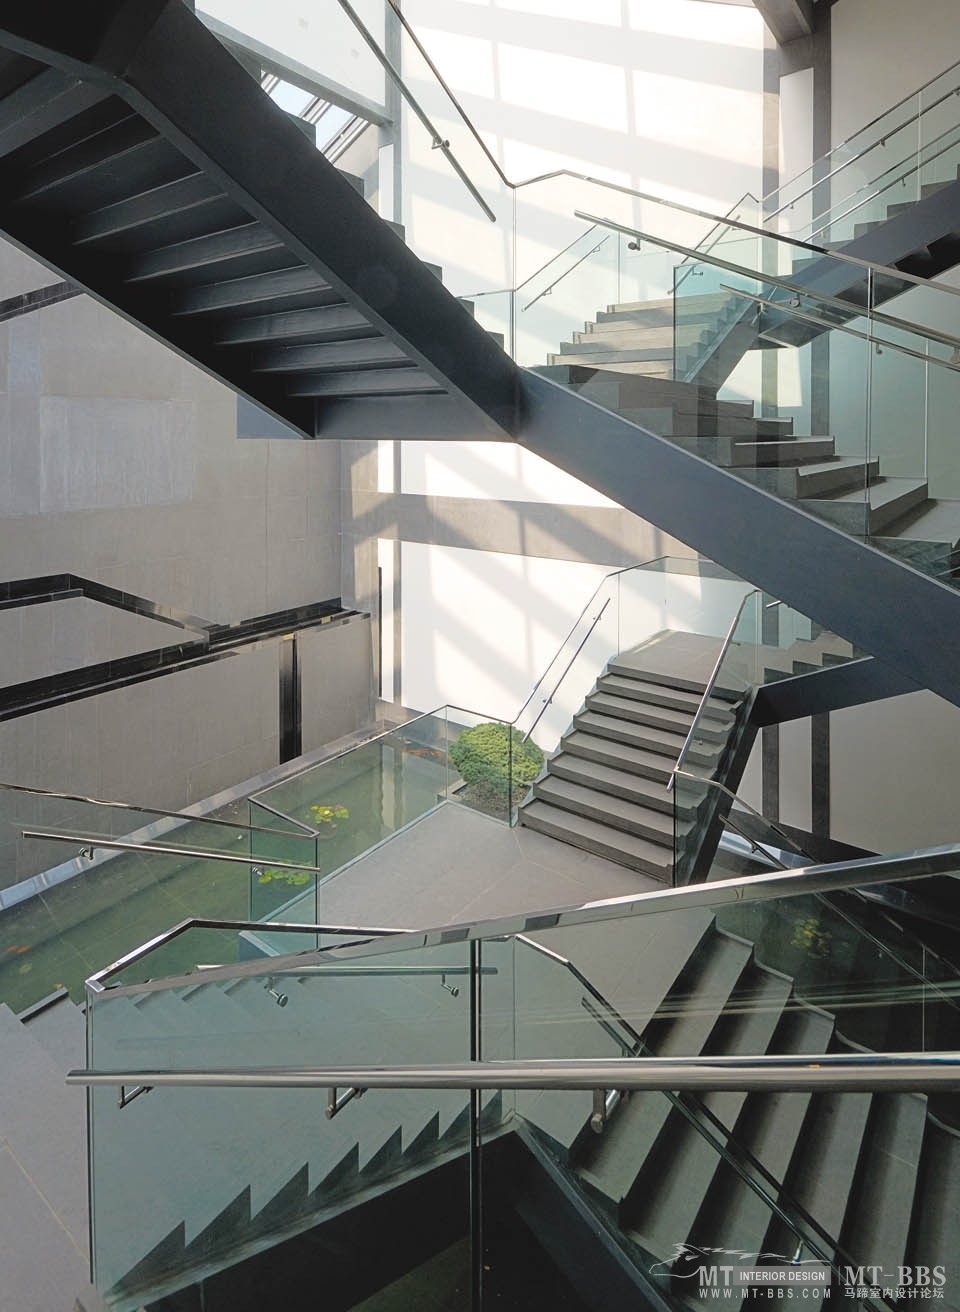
[628,731]
[615,844]
[614,1163]
[769,1127]
[888,1170]
[571,796]
[880,494]
[665,1215]
[619,754]
[715,721]
[608,779]
[625,684]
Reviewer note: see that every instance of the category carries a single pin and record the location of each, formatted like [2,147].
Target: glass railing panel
[552,314]
[494,311]
[770,642]
[664,1171]
[892,144]
[363,796]
[23,808]
[278,892]
[115,901]
[234,1171]
[449,174]
[714,738]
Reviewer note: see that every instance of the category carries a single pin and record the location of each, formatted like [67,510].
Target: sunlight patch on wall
[726,24]
[684,113]
[491,469]
[531,78]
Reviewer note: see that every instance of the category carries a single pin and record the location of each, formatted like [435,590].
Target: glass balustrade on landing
[124,875]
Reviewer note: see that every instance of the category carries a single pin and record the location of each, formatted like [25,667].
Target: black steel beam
[908,620]
[832,689]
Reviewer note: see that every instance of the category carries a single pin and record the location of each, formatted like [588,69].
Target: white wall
[481,628]
[663,96]
[883,50]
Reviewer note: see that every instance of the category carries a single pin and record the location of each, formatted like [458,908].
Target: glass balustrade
[234,1171]
[664,1176]
[896,160]
[72,907]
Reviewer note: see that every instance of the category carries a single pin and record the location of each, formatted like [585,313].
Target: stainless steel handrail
[836,876]
[153,810]
[515,186]
[438,141]
[883,269]
[735,797]
[840,1072]
[880,342]
[557,281]
[708,690]
[566,670]
[832,218]
[858,311]
[93,841]
[98,980]
[854,159]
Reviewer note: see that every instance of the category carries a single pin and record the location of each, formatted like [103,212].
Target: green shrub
[492,757]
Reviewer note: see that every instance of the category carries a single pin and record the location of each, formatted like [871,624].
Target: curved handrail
[735,797]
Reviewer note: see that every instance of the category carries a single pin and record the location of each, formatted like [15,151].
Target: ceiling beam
[788,20]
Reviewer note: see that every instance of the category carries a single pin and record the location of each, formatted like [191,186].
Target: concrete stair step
[622,333]
[617,364]
[820,1179]
[627,665]
[627,683]
[645,737]
[737,452]
[706,305]
[681,1028]
[61,1029]
[658,717]
[630,787]
[769,1127]
[671,1187]
[828,478]
[625,849]
[888,1169]
[606,809]
[887,500]
[935,1222]
[602,351]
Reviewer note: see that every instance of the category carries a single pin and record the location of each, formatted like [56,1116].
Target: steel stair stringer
[905,619]
[162,61]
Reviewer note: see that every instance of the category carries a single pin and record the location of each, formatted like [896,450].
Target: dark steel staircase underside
[143,163]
